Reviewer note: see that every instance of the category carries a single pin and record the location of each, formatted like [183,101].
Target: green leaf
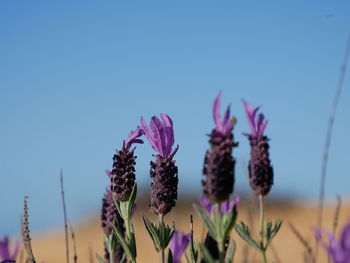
[152,232]
[244,232]
[205,220]
[117,204]
[168,234]
[132,199]
[206,254]
[230,252]
[122,242]
[274,231]
[229,221]
[100,259]
[170,256]
[132,245]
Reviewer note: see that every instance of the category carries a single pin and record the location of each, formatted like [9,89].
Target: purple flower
[256,123]
[178,245]
[226,206]
[133,138]
[160,135]
[225,125]
[338,250]
[5,249]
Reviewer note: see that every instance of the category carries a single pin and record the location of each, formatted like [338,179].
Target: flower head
[160,134]
[338,250]
[5,253]
[226,206]
[225,125]
[257,123]
[178,245]
[133,138]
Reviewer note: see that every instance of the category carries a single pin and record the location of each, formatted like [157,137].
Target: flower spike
[260,169]
[219,163]
[164,172]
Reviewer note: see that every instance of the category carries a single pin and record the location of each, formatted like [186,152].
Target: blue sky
[75,77]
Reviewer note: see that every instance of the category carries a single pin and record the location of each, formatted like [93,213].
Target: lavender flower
[226,206]
[123,172]
[5,253]
[164,172]
[178,245]
[260,169]
[219,163]
[338,250]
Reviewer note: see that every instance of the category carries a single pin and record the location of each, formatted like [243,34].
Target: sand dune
[51,248]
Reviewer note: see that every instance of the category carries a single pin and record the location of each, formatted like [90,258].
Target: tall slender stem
[262,234]
[161,224]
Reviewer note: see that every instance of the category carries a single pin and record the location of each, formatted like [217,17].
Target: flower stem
[262,234]
[161,224]
[221,241]
[111,255]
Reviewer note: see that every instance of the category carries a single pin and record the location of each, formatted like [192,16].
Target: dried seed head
[219,167]
[260,169]
[164,174]
[110,213]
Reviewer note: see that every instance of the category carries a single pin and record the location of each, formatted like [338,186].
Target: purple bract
[257,123]
[178,245]
[225,125]
[5,249]
[226,206]
[133,138]
[160,134]
[338,250]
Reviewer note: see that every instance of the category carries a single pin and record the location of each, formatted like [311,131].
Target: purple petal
[216,111]
[345,237]
[178,245]
[160,135]
[132,138]
[148,133]
[4,248]
[227,206]
[332,247]
[256,123]
[108,173]
[169,130]
[206,204]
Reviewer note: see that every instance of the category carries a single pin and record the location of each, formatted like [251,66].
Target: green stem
[161,224]
[221,240]
[262,234]
[111,255]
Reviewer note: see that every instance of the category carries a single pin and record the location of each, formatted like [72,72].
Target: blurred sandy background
[50,247]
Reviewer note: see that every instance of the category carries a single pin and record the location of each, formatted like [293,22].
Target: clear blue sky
[75,77]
